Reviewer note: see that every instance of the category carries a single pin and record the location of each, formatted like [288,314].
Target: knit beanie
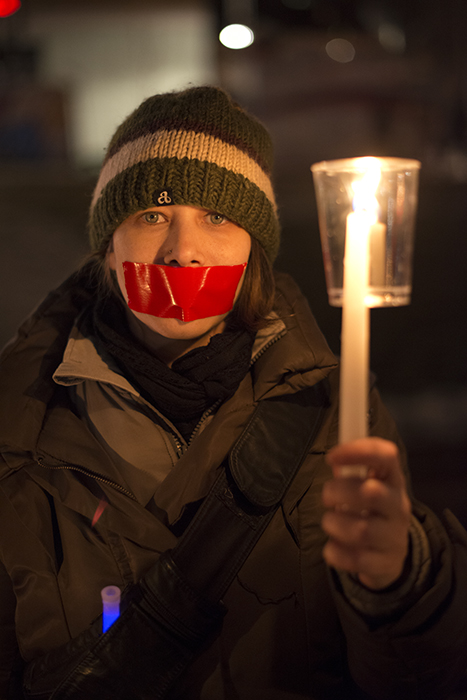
[195,147]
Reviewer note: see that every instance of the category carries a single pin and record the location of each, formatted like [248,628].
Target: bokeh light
[9,7]
[236,36]
[392,38]
[340,50]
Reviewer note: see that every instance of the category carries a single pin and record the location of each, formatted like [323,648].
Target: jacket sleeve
[424,652]
[421,649]
[8,645]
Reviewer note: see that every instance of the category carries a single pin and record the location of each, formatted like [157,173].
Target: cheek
[244,245]
[231,248]
[247,247]
[135,249]
[238,251]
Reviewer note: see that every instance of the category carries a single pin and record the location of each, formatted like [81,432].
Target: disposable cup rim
[357,165]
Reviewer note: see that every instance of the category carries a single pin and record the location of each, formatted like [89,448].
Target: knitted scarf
[194,383]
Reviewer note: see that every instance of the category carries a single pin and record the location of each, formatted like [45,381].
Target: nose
[182,246]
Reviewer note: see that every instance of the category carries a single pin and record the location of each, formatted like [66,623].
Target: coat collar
[81,360]
[299,358]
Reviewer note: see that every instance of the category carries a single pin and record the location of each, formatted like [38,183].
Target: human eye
[152,217]
[215,218]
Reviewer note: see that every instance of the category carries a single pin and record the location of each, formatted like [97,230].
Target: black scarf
[194,383]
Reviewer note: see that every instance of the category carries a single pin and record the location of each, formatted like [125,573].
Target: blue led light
[110,606]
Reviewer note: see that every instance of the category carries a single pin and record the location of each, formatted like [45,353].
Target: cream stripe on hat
[184,144]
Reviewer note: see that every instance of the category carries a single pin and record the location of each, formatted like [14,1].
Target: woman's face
[182,236]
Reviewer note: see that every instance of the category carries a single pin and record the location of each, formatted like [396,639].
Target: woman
[168,426]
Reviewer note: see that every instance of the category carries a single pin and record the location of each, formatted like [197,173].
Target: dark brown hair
[254,303]
[256,298]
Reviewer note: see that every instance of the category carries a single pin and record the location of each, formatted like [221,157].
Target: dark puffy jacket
[289,631]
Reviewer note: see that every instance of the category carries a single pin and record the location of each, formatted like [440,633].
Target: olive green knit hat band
[196,148]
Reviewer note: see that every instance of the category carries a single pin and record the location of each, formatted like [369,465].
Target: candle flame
[365,188]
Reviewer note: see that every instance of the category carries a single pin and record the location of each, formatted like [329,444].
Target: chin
[174,329]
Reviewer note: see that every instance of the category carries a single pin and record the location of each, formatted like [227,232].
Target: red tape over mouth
[186,293]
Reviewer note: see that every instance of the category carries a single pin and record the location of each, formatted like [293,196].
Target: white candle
[377,253]
[355,335]
[361,225]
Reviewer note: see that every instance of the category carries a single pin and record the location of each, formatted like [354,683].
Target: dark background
[404,95]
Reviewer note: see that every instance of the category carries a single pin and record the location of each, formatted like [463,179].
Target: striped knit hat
[194,147]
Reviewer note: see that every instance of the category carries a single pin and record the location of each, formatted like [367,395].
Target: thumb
[379,458]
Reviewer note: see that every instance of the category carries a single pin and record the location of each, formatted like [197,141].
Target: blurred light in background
[392,38]
[340,50]
[106,63]
[236,23]
[9,7]
[236,36]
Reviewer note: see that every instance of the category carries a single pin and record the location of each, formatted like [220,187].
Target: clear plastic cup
[391,248]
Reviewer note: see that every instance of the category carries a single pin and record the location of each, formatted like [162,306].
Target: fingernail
[352,471]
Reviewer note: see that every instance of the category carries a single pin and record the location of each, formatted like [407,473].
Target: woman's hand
[367,520]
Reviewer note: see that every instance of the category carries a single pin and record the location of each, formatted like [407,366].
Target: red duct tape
[186,293]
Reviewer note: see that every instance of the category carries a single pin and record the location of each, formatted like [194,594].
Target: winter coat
[290,631]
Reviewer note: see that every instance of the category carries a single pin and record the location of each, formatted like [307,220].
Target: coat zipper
[205,415]
[267,346]
[215,406]
[87,472]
